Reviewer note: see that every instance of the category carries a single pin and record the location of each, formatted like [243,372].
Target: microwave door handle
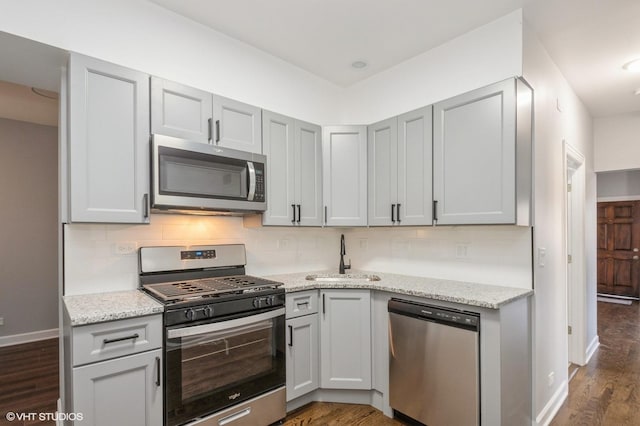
[251,171]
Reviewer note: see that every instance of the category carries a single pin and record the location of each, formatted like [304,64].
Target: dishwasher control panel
[454,317]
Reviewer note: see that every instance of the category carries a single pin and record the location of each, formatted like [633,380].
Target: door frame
[574,237]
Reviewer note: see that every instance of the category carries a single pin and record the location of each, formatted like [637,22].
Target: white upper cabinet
[189,113]
[237,125]
[399,170]
[344,165]
[108,142]
[180,111]
[294,171]
[474,164]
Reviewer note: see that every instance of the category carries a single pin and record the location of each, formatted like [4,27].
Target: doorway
[575,249]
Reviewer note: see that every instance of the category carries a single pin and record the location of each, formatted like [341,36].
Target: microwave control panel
[260,189]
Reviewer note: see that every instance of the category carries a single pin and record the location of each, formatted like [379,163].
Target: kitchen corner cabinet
[399,170]
[115,371]
[475,152]
[302,344]
[345,339]
[186,112]
[108,142]
[294,168]
[344,185]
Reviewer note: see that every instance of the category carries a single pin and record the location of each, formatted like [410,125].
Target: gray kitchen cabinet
[302,355]
[180,111]
[344,182]
[399,170]
[294,171]
[474,157]
[345,339]
[237,125]
[114,371]
[108,168]
[186,112]
[123,391]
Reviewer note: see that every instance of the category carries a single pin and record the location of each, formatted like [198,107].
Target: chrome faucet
[343,251]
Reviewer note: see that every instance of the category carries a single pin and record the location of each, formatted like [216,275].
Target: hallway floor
[607,390]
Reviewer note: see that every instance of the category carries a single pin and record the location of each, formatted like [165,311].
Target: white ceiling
[588,39]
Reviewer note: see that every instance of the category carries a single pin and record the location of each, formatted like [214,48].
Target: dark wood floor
[331,413]
[29,380]
[607,390]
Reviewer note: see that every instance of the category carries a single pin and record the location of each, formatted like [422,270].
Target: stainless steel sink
[342,277]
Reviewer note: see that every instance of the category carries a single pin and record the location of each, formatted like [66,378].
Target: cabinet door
[123,391]
[237,125]
[302,356]
[382,179]
[180,111]
[278,132]
[108,142]
[345,333]
[344,184]
[414,168]
[308,165]
[474,156]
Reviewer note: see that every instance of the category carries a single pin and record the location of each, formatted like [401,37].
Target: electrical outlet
[124,248]
[364,243]
[284,243]
[462,251]
[551,378]
[1,320]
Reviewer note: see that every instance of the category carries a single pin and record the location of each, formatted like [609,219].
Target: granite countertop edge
[466,293]
[86,309]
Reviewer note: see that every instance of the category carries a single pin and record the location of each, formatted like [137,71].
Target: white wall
[617,142]
[478,58]
[28,228]
[571,122]
[141,35]
[618,186]
[92,265]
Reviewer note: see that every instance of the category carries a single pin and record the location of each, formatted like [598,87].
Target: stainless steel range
[224,350]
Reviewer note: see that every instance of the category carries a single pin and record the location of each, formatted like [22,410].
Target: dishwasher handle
[438,314]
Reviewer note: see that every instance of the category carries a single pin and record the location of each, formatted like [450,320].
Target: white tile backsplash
[499,255]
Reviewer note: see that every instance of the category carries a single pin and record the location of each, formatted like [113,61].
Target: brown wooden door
[618,247]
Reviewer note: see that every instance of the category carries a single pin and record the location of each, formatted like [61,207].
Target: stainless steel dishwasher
[434,364]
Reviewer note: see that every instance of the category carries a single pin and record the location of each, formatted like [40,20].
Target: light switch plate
[542,256]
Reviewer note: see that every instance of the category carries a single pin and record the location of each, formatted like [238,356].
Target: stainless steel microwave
[193,177]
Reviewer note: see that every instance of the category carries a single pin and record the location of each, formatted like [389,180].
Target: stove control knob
[190,314]
[257,302]
[268,300]
[208,311]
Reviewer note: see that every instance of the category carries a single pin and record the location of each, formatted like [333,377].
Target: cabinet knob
[635,257]
[635,249]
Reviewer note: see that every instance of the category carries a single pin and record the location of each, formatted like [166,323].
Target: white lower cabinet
[345,339]
[122,391]
[302,356]
[114,372]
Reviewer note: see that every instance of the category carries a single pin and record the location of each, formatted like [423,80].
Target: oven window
[200,175]
[213,370]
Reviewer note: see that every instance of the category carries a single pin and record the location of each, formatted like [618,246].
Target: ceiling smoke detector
[359,65]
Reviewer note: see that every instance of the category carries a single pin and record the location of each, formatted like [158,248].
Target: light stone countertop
[87,309]
[467,293]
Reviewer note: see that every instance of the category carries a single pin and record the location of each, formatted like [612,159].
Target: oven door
[214,365]
[191,175]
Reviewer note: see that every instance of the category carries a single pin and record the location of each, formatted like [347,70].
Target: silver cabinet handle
[217,131]
[145,206]
[210,129]
[325,215]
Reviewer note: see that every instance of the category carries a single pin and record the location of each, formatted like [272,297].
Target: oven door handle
[223,325]
[251,170]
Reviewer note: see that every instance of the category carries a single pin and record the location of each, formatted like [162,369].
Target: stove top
[177,291]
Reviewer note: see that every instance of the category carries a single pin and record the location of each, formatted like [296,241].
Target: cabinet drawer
[302,303]
[99,342]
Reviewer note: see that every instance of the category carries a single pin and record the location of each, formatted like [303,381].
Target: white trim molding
[34,336]
[591,349]
[551,409]
[618,198]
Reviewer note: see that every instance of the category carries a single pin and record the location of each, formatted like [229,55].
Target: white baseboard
[551,409]
[17,339]
[591,349]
